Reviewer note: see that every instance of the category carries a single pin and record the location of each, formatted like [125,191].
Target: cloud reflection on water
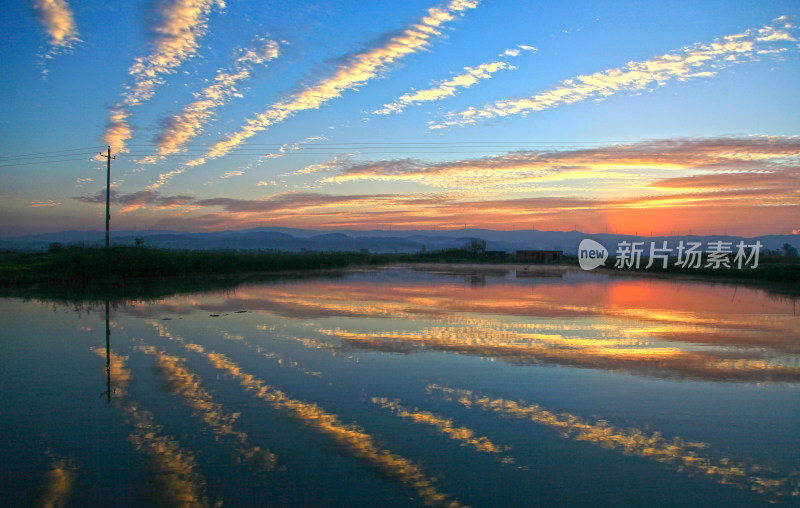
[172,476]
[653,328]
[684,455]
[444,425]
[186,385]
[56,487]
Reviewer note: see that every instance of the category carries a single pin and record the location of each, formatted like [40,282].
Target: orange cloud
[743,186]
[757,155]
[58,21]
[737,211]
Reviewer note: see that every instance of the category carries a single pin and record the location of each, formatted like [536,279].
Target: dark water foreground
[404,388]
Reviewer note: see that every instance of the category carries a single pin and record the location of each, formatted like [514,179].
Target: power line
[29,155]
[44,162]
[390,148]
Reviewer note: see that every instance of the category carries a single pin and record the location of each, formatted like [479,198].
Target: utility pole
[108,189]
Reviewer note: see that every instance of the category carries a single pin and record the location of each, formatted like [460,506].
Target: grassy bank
[93,273]
[81,265]
[76,268]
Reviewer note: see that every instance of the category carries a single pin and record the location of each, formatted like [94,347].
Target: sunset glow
[416,115]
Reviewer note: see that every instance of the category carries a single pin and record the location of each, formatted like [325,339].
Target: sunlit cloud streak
[118,131]
[58,21]
[725,178]
[449,88]
[738,211]
[695,61]
[282,151]
[355,72]
[179,129]
[756,154]
[771,177]
[684,455]
[181,23]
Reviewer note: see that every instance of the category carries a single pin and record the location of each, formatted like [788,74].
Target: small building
[540,256]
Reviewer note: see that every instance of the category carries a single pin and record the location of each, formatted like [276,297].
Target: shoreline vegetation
[126,271]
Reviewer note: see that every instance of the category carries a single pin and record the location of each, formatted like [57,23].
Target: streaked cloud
[281,151]
[136,200]
[729,181]
[294,202]
[768,178]
[449,88]
[756,155]
[736,211]
[47,203]
[179,129]
[356,71]
[180,25]
[697,60]
[118,131]
[58,21]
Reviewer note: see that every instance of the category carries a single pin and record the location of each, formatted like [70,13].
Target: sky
[651,118]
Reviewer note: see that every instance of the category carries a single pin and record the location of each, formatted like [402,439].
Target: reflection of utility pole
[108,356]
[108,194]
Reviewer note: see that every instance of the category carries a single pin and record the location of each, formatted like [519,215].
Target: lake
[400,387]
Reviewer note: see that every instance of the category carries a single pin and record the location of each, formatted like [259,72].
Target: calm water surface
[404,388]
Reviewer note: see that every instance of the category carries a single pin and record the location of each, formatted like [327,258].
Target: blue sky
[667,117]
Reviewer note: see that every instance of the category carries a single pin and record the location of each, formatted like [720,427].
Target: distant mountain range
[380,241]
